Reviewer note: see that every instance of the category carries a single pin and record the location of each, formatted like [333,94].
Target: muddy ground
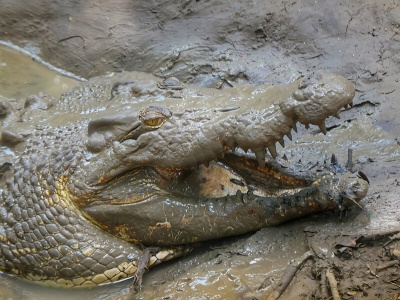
[220,43]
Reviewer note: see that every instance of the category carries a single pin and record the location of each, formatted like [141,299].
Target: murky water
[20,77]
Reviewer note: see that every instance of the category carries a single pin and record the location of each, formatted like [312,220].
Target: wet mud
[21,77]
[220,44]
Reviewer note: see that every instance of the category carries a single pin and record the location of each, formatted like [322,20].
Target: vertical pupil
[152,122]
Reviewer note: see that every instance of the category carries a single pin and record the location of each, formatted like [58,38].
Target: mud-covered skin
[116,162]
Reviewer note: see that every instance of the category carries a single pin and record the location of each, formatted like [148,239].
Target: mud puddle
[21,77]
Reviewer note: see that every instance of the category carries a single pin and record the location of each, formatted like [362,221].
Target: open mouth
[233,195]
[235,172]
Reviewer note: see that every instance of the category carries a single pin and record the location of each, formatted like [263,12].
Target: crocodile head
[171,166]
[204,124]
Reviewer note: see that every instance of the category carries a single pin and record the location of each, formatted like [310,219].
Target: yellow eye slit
[154,117]
[153,122]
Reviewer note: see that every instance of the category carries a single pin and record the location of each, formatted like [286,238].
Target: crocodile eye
[154,117]
[154,122]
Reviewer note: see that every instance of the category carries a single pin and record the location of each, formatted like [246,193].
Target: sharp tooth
[289,135]
[347,106]
[307,126]
[294,127]
[282,142]
[260,156]
[244,198]
[336,116]
[351,104]
[334,160]
[322,127]
[272,150]
[238,195]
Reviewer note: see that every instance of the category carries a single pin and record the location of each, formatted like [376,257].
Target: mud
[220,44]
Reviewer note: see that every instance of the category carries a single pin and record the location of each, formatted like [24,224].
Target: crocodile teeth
[336,116]
[289,135]
[294,127]
[281,141]
[307,126]
[272,150]
[238,195]
[347,106]
[260,156]
[351,104]
[322,127]
[334,160]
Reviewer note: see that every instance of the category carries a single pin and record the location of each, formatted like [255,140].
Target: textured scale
[45,238]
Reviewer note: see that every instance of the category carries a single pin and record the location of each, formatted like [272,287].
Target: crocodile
[90,181]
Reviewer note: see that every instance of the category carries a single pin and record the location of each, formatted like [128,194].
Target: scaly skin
[117,164]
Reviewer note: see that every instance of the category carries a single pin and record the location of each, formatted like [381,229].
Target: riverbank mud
[220,44]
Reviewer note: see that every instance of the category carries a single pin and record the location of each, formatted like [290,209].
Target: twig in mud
[324,286]
[393,238]
[377,237]
[288,275]
[371,270]
[387,265]
[333,284]
[72,37]
[394,283]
